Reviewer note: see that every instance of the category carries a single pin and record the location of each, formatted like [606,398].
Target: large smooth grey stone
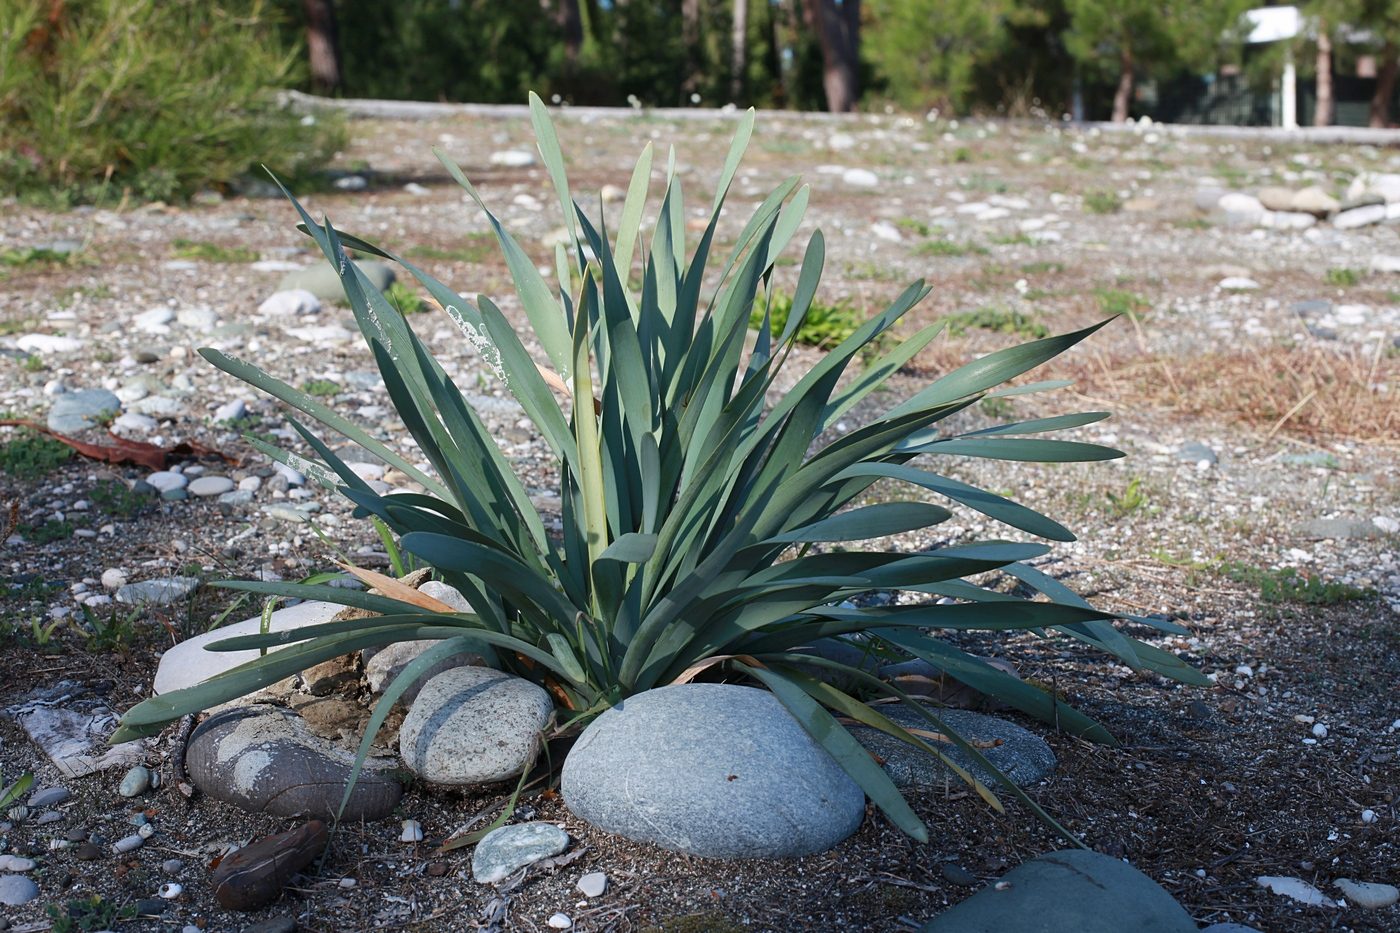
[322,281]
[1071,891]
[77,411]
[714,770]
[504,851]
[474,725]
[1022,755]
[16,890]
[188,663]
[265,760]
[383,666]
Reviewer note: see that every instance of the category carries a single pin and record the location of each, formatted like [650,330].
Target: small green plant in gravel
[949,248]
[117,499]
[1343,277]
[1102,202]
[474,247]
[29,455]
[1288,585]
[34,364]
[704,532]
[825,324]
[203,251]
[1132,499]
[996,320]
[50,531]
[405,299]
[1117,301]
[29,256]
[88,915]
[321,388]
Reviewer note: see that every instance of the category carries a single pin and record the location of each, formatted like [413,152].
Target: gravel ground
[1259,502]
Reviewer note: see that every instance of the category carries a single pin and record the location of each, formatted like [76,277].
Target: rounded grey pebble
[136,782]
[956,874]
[175,495]
[129,844]
[49,797]
[172,866]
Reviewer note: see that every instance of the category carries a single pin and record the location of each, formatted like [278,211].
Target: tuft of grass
[1012,239]
[321,388]
[1120,301]
[916,227]
[117,499]
[404,298]
[1343,277]
[202,251]
[31,256]
[949,248]
[47,533]
[996,320]
[33,363]
[29,455]
[1289,585]
[826,324]
[1132,499]
[1102,202]
[475,247]
[1042,268]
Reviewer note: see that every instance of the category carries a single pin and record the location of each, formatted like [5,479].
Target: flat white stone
[188,663]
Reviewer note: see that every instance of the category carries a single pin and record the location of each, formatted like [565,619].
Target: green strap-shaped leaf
[849,754]
[1036,450]
[874,521]
[631,548]
[989,504]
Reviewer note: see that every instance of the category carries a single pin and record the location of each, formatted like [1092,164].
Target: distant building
[1267,90]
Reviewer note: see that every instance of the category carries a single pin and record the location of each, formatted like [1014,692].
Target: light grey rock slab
[504,851]
[162,591]
[188,663]
[1017,752]
[1371,895]
[73,412]
[714,770]
[322,280]
[474,725]
[1071,891]
[264,759]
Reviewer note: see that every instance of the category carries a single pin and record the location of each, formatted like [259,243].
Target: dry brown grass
[1314,391]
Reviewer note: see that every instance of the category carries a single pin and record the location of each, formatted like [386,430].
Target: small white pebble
[171,890]
[1368,816]
[1244,670]
[347,882]
[1310,741]
[560,922]
[412,831]
[1303,718]
[1319,730]
[146,830]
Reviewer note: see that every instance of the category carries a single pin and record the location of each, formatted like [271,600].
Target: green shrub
[996,320]
[211,252]
[1343,277]
[1102,202]
[156,97]
[824,325]
[1117,301]
[30,455]
[703,532]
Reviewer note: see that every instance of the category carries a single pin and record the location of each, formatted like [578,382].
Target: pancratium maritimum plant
[695,515]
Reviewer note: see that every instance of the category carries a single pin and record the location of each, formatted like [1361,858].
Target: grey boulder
[264,759]
[73,412]
[383,666]
[713,770]
[16,890]
[1071,891]
[322,280]
[1015,751]
[474,725]
[504,851]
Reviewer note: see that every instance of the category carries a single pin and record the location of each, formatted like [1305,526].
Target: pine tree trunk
[738,50]
[322,45]
[690,38]
[838,27]
[1325,109]
[1385,87]
[1124,95]
[570,20]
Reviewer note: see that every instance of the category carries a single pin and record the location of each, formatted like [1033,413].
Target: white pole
[1289,92]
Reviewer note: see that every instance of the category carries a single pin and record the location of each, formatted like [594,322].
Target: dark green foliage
[826,323]
[998,321]
[156,97]
[1289,585]
[29,455]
